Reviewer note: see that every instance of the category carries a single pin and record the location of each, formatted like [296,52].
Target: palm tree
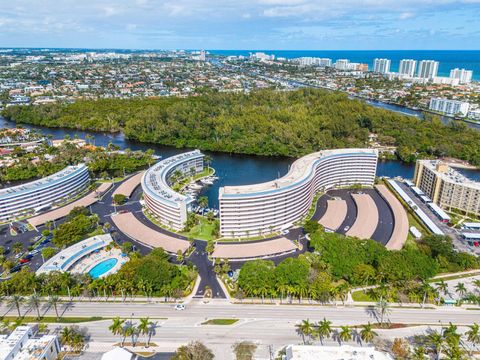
[476,283]
[129,330]
[324,329]
[117,326]
[304,328]
[461,289]
[17,301]
[144,329]
[208,161]
[367,334]
[66,335]
[384,310]
[54,300]
[443,287]
[418,353]
[435,339]
[427,290]
[34,303]
[345,334]
[77,342]
[473,334]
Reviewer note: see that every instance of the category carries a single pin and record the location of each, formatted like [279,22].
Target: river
[232,169]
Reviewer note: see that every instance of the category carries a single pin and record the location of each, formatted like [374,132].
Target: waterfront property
[22,345]
[27,199]
[58,213]
[258,209]
[88,256]
[447,188]
[166,205]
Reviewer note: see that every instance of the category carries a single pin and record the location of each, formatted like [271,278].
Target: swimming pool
[102,267]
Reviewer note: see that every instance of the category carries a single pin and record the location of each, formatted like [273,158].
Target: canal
[232,169]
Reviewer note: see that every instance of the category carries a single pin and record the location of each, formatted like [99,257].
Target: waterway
[232,169]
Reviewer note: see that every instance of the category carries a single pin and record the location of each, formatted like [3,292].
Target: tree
[418,353]
[208,160]
[367,333]
[34,303]
[442,286]
[244,350]
[15,301]
[54,300]
[67,335]
[400,348]
[305,328]
[116,328]
[119,199]
[195,350]
[203,201]
[311,226]
[473,334]
[345,334]
[436,340]
[461,289]
[48,252]
[145,329]
[17,247]
[383,309]
[324,329]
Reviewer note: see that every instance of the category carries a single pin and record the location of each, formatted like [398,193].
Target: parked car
[25,260]
[180,307]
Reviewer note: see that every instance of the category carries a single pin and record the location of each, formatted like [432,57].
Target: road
[256,322]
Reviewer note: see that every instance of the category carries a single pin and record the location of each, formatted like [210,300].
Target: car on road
[25,260]
[45,241]
[346,228]
[16,268]
[180,307]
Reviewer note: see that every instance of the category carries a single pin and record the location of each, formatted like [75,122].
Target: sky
[242,24]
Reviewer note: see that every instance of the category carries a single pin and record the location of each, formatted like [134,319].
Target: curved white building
[22,200]
[257,209]
[167,205]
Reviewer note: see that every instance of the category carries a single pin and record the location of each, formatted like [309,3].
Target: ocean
[449,59]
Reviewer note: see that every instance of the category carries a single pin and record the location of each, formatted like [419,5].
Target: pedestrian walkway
[136,230]
[129,185]
[89,199]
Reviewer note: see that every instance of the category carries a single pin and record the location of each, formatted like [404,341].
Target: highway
[264,324]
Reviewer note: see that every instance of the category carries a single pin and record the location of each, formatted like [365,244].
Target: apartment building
[447,187]
[257,209]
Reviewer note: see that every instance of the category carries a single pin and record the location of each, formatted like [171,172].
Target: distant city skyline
[260,24]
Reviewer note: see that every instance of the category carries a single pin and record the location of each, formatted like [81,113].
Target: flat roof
[420,213]
[437,209]
[299,170]
[34,185]
[472,224]
[470,235]
[65,259]
[451,175]
[154,180]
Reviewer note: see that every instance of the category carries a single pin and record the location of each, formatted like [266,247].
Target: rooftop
[450,175]
[299,170]
[65,259]
[155,178]
[33,185]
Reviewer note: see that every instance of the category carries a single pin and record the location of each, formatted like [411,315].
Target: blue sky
[241,24]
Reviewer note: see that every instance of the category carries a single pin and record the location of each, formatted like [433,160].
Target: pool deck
[92,260]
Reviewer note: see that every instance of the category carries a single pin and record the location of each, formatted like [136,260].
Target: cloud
[233,23]
[406,15]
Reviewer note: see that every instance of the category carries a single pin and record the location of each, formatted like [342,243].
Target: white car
[179,307]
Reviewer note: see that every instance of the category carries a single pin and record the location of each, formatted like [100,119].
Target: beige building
[447,187]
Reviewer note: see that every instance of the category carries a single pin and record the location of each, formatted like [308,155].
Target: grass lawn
[203,231]
[53,319]
[220,322]
[361,296]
